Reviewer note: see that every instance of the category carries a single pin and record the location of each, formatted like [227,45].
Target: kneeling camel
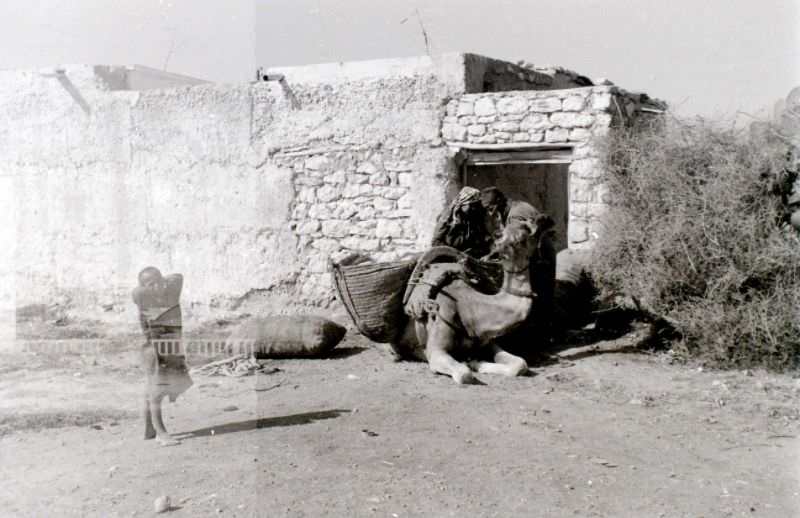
[449,318]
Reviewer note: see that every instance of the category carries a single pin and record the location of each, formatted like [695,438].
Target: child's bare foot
[166,440]
[149,429]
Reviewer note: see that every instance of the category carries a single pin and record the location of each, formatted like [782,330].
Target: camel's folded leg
[440,338]
[504,363]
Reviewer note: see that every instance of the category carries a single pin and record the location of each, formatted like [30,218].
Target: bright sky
[708,57]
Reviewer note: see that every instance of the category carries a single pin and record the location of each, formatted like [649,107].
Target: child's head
[494,201]
[150,276]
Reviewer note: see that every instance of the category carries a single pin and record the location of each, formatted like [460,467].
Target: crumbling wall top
[463,72]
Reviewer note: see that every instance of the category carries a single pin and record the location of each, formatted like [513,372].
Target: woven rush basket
[372,293]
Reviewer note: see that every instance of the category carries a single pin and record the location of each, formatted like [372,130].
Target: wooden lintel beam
[530,156]
[510,146]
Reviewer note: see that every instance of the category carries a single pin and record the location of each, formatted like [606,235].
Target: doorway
[543,185]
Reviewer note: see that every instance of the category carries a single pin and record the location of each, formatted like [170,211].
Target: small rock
[161,504]
[559,377]
[369,433]
[352,377]
[111,471]
[230,408]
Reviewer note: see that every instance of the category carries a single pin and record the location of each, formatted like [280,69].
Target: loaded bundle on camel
[454,306]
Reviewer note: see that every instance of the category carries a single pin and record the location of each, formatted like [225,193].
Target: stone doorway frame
[468,154]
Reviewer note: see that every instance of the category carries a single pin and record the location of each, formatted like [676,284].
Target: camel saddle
[483,276]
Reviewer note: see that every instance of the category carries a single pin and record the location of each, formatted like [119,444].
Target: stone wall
[247,190]
[368,167]
[575,117]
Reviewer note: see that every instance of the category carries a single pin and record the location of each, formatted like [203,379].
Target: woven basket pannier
[372,293]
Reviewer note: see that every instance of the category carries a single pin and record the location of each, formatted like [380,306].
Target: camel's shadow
[340,353]
[543,348]
[263,422]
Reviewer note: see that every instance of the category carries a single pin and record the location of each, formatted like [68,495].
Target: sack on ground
[285,336]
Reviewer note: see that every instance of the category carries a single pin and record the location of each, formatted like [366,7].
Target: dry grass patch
[696,240]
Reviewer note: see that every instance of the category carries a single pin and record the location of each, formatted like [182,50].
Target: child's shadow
[263,422]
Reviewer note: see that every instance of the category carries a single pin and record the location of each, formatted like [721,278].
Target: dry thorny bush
[696,240]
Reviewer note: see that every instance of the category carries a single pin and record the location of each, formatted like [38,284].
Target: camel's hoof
[167,441]
[474,365]
[467,378]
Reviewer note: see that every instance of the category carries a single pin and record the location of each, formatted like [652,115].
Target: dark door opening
[543,185]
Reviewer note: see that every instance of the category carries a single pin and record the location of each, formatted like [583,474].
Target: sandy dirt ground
[590,433]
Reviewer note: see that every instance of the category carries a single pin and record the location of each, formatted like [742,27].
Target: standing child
[164,363]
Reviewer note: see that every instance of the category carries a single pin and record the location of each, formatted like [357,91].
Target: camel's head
[520,240]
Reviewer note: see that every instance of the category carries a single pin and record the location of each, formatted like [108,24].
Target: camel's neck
[517,283]
[490,316]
